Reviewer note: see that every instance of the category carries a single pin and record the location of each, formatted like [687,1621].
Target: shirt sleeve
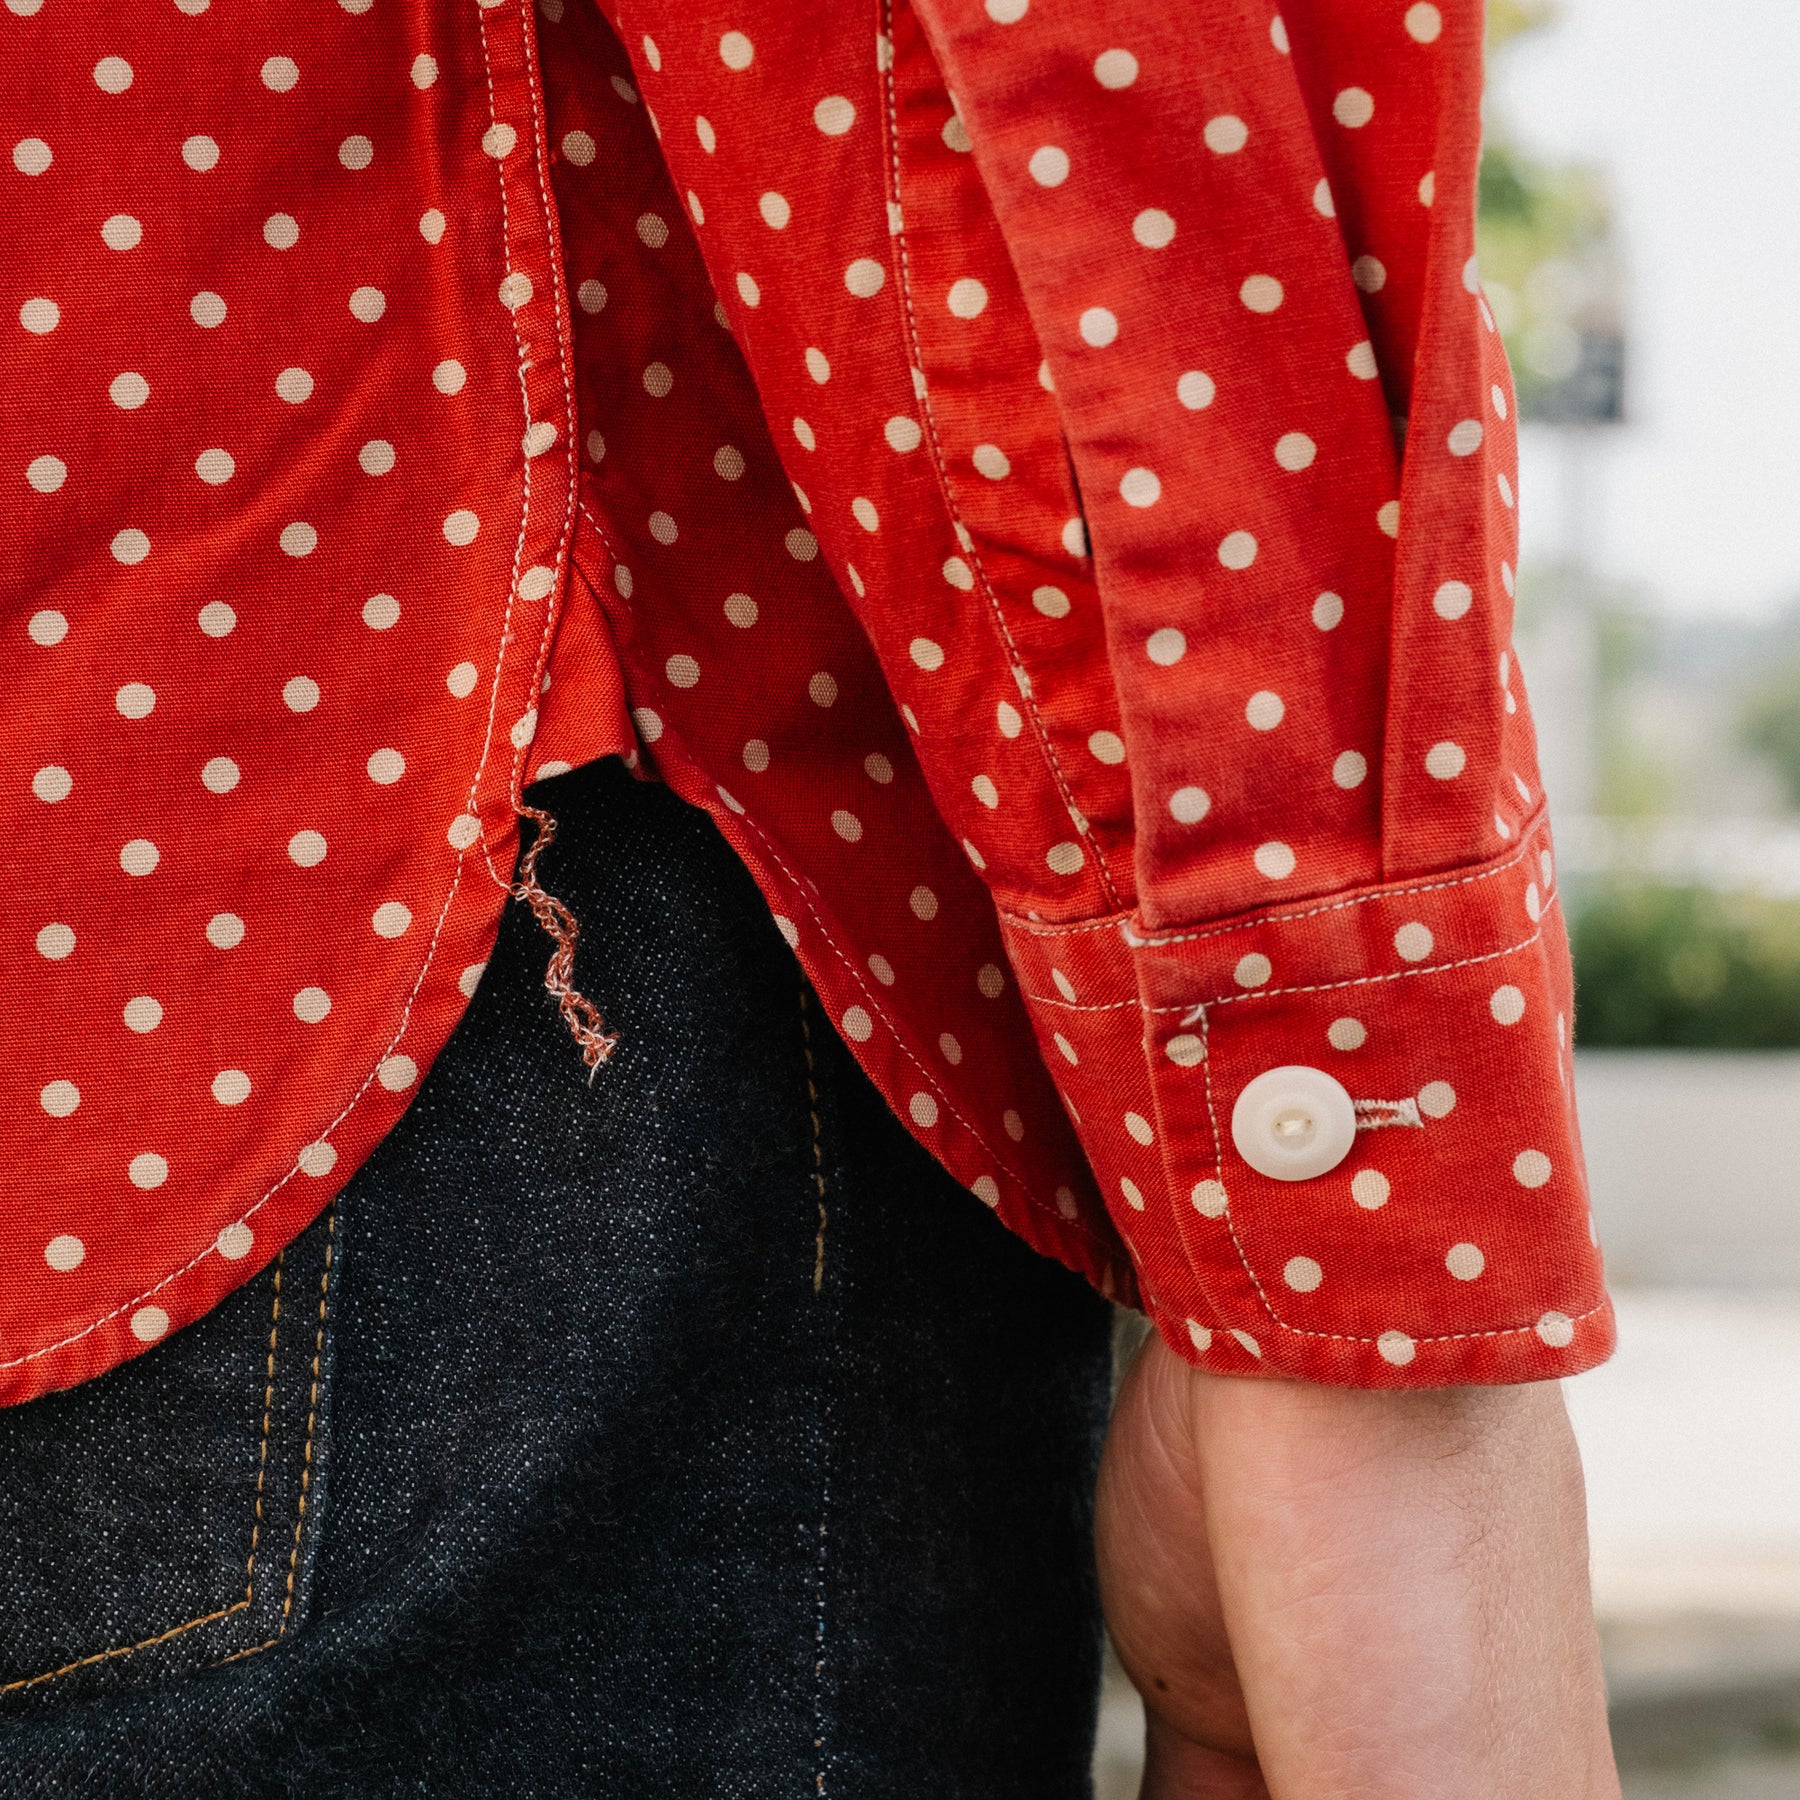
[1229,721]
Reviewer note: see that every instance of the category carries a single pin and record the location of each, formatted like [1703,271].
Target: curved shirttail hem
[161,1285]
[1604,1304]
[1063,1224]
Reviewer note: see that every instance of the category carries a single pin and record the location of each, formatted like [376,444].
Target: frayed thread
[578,1012]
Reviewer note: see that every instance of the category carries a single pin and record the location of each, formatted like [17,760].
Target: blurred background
[1640,244]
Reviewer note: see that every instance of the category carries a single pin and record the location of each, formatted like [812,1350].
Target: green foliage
[1769,724]
[1666,967]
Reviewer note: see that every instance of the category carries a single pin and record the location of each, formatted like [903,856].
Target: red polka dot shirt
[1040,476]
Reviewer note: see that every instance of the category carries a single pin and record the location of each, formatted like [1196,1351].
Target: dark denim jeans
[689,1433]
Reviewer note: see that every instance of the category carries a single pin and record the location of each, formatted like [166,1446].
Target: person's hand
[1330,1594]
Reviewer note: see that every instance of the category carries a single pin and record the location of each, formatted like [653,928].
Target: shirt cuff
[1451,1241]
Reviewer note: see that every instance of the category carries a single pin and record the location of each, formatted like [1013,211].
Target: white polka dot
[1140,1128]
[1424,22]
[461,680]
[1074,537]
[1354,107]
[1261,293]
[1507,1005]
[524,729]
[1226,134]
[1413,941]
[220,775]
[49,629]
[1189,805]
[130,390]
[424,70]
[1370,1189]
[463,832]
[59,1098]
[882,970]
[461,527]
[1209,1198]
[516,290]
[1252,971]
[215,467]
[1115,69]
[748,291]
[1295,451]
[231,1087]
[1428,193]
[1264,710]
[967,298]
[1465,1261]
[299,538]
[1104,746]
[112,74]
[847,825]
[1185,1050]
[391,919]
[1328,611]
[1531,1168]
[207,310]
[1323,204]
[1465,437]
[225,931]
[200,154]
[1065,858]
[834,115]
[878,767]
[1369,273]
[64,1253]
[234,1242]
[990,980]
[984,790]
[432,225]
[736,51]
[1445,761]
[1052,602]
[1361,361]
[1396,1347]
[928,654]
[123,232]
[1153,228]
[139,857]
[1098,327]
[1302,1274]
[1007,12]
[1195,390]
[46,473]
[1134,1195]
[32,156]
[1140,487]
[1246,1342]
[130,546]
[1387,518]
[291,385]
[801,545]
[903,434]
[1166,647]
[135,700]
[923,902]
[1437,1099]
[148,1170]
[307,849]
[924,1111]
[386,767]
[397,1073]
[317,1160]
[281,231]
[775,210]
[1350,769]
[682,670]
[1049,165]
[1347,1034]
[537,583]
[52,784]
[56,941]
[148,1323]
[1452,600]
[1237,550]
[300,694]
[1274,860]
[1556,1329]
[1067,1050]
[990,460]
[865,277]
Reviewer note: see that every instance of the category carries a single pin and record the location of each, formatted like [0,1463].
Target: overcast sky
[1691,104]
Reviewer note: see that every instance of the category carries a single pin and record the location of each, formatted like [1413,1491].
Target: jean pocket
[161,1518]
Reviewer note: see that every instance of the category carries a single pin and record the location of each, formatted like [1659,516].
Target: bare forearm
[1400,1579]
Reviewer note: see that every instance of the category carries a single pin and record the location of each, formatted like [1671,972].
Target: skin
[1330,1594]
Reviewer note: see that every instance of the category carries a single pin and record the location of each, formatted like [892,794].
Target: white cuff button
[1294,1123]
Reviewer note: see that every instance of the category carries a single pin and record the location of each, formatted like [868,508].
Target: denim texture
[685,1433]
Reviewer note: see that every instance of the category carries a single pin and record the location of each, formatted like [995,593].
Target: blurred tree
[1686,968]
[1769,724]
[1549,262]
